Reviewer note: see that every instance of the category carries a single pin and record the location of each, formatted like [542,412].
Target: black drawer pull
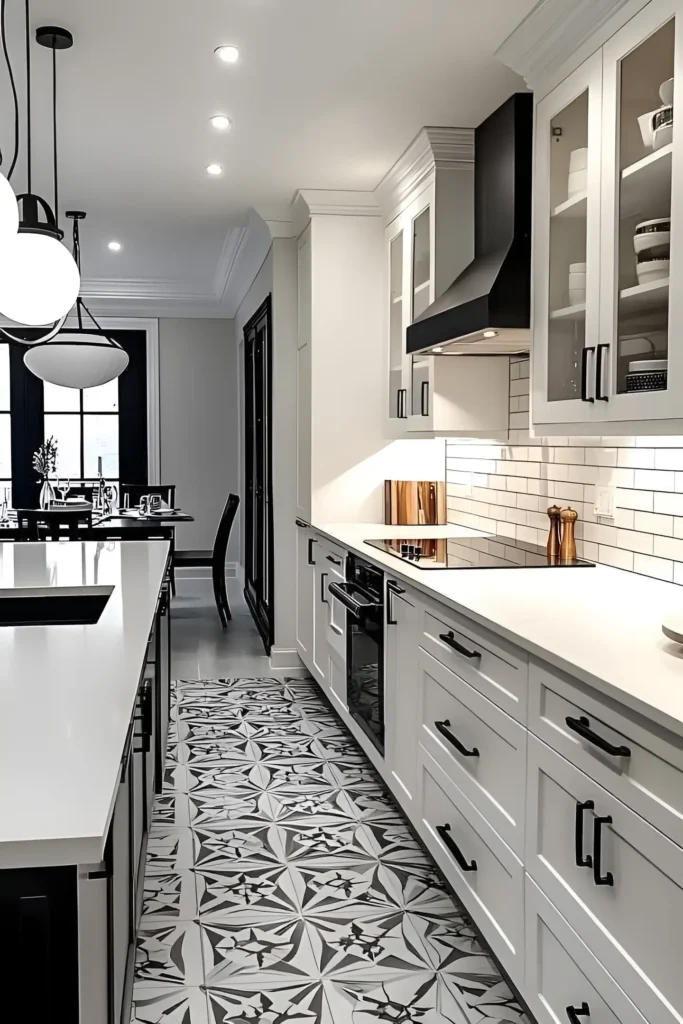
[300,523]
[582,727]
[335,561]
[598,877]
[581,861]
[449,639]
[323,577]
[451,845]
[444,729]
[584,373]
[574,1013]
[311,542]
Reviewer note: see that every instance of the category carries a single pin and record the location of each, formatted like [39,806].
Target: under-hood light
[490,334]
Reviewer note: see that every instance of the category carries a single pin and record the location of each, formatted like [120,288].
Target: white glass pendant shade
[76,360]
[9,211]
[39,279]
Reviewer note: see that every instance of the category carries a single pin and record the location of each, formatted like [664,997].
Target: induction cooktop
[473,553]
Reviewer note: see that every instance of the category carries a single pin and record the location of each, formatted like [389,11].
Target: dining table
[118,524]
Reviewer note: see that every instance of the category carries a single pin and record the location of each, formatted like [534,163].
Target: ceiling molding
[432,150]
[321,202]
[556,32]
[227,261]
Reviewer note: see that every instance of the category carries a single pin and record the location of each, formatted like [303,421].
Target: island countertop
[67,695]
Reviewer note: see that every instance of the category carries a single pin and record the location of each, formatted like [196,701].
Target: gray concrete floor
[201,648]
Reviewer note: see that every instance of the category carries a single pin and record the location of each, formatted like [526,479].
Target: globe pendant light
[39,279]
[9,211]
[80,358]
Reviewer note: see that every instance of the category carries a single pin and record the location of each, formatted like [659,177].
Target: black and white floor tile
[283,886]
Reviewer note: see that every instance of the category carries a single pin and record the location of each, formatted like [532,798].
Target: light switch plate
[605,502]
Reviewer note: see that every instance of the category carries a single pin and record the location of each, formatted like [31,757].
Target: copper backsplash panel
[415,502]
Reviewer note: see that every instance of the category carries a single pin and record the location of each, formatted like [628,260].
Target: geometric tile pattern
[283,886]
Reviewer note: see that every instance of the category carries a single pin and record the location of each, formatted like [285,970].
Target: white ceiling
[325,95]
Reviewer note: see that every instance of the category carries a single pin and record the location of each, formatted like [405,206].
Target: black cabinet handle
[394,588]
[311,542]
[449,639]
[323,577]
[444,729]
[602,347]
[398,403]
[404,403]
[598,877]
[582,727]
[574,1013]
[391,621]
[424,398]
[584,373]
[581,861]
[125,756]
[451,845]
[335,561]
[301,523]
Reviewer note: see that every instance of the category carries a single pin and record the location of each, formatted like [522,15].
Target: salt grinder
[568,516]
[554,534]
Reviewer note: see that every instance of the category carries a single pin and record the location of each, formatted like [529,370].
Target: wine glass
[64,486]
[4,518]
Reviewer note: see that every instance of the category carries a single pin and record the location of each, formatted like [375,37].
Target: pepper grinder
[554,534]
[568,517]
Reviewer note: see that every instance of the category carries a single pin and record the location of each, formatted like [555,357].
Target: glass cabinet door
[421,292]
[566,248]
[638,368]
[397,338]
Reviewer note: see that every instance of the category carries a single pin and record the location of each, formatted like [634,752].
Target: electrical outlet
[605,501]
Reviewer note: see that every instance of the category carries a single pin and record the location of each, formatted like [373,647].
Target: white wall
[199,419]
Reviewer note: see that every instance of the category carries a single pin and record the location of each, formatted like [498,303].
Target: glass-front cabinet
[608,310]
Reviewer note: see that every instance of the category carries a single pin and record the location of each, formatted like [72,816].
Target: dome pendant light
[39,279]
[9,211]
[80,358]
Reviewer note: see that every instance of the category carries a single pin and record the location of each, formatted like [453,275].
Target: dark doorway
[258,475]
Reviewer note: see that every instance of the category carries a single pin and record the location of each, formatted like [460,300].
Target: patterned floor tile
[159,1003]
[246,894]
[169,952]
[272,950]
[169,848]
[169,895]
[171,808]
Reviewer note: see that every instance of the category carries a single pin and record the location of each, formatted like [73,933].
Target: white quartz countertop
[67,695]
[601,625]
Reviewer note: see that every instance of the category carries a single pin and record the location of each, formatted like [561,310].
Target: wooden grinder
[554,534]
[568,516]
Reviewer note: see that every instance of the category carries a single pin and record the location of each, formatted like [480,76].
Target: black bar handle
[394,589]
[598,877]
[444,729]
[335,561]
[404,403]
[391,621]
[581,861]
[453,847]
[582,727]
[584,373]
[449,639]
[323,577]
[602,347]
[424,398]
[398,403]
[301,523]
[125,756]
[311,542]
[574,1012]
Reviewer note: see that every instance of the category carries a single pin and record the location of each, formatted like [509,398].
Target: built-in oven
[363,597]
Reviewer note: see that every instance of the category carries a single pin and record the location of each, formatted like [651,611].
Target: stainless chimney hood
[486,311]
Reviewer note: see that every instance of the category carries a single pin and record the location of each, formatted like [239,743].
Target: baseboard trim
[233,570]
[285,659]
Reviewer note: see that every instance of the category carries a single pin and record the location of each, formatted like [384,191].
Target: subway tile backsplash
[506,489]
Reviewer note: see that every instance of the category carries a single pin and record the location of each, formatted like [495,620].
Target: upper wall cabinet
[607,354]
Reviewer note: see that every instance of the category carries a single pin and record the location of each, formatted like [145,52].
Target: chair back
[136,491]
[56,524]
[220,544]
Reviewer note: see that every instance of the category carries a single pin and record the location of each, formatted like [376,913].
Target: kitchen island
[84,713]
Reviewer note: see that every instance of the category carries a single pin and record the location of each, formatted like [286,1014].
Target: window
[85,425]
[5,428]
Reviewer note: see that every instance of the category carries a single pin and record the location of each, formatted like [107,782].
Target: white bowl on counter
[652,270]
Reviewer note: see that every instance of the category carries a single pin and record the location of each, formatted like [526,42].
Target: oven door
[364,659]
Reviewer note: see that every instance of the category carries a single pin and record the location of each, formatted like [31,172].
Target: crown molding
[559,33]
[432,150]
[320,202]
[227,261]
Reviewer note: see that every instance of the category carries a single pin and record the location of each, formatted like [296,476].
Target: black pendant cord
[54,132]
[13,86]
[28,98]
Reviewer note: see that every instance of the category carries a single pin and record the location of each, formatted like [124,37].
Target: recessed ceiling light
[114,246]
[220,122]
[228,54]
[490,334]
[214,169]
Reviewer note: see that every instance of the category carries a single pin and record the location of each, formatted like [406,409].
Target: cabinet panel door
[303,432]
[321,622]
[122,885]
[396,244]
[401,694]
[304,595]
[631,923]
[566,262]
[642,170]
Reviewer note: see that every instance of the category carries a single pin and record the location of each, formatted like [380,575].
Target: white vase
[47,494]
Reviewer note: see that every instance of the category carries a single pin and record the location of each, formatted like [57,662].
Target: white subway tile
[654,479]
[540,487]
[624,518]
[506,529]
[480,480]
[669,458]
[584,474]
[678,572]
[481,494]
[601,456]
[526,533]
[590,551]
[458,491]
[523,403]
[539,520]
[554,472]
[519,421]
[678,527]
[641,500]
[514,371]
[600,534]
[678,482]
[473,465]
[528,501]
[668,504]
[665,441]
[516,484]
[570,456]
[611,477]
[507,498]
[524,369]
[650,523]
[617,557]
[458,477]
[661,568]
[668,547]
[584,442]
[618,442]
[516,452]
[519,387]
[561,490]
[637,458]
[633,541]
[460,504]
[496,482]
[517,515]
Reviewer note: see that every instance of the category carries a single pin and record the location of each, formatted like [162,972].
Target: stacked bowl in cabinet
[651,242]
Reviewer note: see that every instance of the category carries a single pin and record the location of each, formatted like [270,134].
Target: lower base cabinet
[401,694]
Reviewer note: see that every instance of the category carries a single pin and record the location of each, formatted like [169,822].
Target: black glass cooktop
[473,553]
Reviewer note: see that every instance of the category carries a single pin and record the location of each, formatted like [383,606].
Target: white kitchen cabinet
[611,361]
[400,692]
[303,380]
[305,584]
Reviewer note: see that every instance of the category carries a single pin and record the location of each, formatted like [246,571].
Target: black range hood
[487,308]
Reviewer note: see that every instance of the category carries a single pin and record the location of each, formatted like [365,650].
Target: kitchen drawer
[493,892]
[650,780]
[561,972]
[337,618]
[633,926]
[496,668]
[332,553]
[493,779]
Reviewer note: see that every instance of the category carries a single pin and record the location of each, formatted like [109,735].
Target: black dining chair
[55,524]
[217,558]
[136,491]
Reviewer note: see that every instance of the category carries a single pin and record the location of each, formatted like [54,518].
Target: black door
[258,498]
